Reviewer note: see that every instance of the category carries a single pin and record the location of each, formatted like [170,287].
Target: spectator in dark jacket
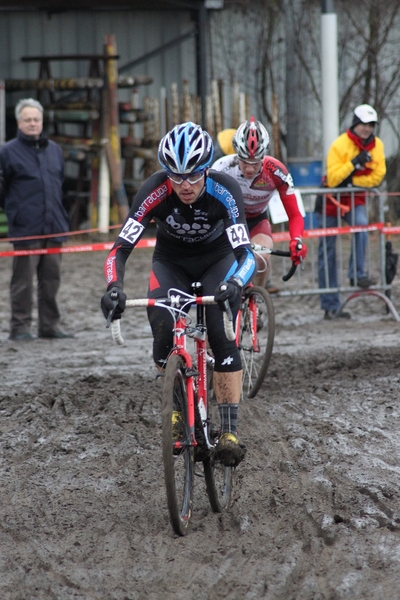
[31,194]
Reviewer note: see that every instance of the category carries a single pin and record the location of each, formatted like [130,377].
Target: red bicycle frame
[253,323]
[181,331]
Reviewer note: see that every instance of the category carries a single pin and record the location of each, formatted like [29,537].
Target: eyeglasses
[252,163]
[192,179]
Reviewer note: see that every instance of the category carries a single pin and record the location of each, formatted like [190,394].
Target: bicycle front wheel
[218,478]
[178,463]
[256,339]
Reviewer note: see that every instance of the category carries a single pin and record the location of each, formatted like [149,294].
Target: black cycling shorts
[180,273]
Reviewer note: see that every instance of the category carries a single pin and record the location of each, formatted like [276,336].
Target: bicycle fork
[252,323]
[179,348]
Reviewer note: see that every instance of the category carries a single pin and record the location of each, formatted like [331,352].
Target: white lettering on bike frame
[131,231]
[237,235]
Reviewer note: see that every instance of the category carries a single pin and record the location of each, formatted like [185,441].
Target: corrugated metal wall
[31,33]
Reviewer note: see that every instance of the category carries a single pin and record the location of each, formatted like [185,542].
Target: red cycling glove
[298,250]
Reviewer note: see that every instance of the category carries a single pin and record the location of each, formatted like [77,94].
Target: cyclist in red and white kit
[258,176]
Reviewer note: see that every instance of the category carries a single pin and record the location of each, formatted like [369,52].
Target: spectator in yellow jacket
[355,159]
[223,144]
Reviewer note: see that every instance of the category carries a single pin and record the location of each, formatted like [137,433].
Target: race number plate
[131,231]
[237,235]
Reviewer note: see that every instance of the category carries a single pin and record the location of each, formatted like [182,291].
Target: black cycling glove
[360,160]
[227,290]
[113,299]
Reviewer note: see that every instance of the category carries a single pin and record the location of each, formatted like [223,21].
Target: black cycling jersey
[215,220]
[206,241]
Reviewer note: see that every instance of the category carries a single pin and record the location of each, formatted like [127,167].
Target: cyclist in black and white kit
[201,236]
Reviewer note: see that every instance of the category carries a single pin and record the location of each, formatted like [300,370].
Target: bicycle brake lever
[115,298]
[111,314]
[227,308]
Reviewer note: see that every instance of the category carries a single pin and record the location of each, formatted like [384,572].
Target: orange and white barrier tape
[151,242]
[329,231]
[146,243]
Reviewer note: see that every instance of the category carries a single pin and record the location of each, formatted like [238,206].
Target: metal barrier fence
[344,234]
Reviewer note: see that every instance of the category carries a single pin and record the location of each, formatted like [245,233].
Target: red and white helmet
[251,140]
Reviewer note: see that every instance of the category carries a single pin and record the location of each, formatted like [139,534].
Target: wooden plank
[73,83]
[111,130]
[134,116]
[129,81]
[71,116]
[89,143]
[67,57]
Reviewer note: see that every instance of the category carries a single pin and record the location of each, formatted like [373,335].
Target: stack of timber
[84,115]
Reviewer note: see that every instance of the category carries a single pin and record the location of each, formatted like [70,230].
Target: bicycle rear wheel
[178,463]
[256,340]
[218,478]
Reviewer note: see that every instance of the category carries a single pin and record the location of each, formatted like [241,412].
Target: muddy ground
[316,511]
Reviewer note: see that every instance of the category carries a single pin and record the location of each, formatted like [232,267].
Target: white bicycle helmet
[251,140]
[187,148]
[364,113]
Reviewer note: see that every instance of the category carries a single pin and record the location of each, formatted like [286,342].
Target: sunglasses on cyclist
[192,179]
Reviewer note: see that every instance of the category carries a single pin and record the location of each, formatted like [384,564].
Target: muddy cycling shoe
[229,450]
[330,315]
[177,426]
[363,282]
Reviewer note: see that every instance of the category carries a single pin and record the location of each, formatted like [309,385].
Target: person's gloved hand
[360,160]
[227,290]
[298,250]
[113,298]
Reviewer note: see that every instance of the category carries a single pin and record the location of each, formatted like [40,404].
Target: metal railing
[307,282]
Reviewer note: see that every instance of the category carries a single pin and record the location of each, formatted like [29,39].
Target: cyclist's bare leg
[263,262]
[227,387]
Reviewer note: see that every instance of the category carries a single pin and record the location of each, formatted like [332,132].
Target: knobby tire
[255,361]
[178,467]
[218,478]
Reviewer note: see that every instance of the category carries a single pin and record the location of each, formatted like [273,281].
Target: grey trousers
[47,269]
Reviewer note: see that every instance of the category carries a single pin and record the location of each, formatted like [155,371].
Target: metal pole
[329,65]
[292,112]
[202,62]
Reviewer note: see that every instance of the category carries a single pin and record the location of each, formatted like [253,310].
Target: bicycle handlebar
[265,250]
[172,302]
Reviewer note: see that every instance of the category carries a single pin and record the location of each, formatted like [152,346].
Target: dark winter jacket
[31,194]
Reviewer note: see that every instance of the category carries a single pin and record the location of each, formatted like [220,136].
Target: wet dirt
[316,511]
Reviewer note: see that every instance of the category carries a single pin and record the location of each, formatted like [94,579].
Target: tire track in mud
[83,511]
[337,411]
